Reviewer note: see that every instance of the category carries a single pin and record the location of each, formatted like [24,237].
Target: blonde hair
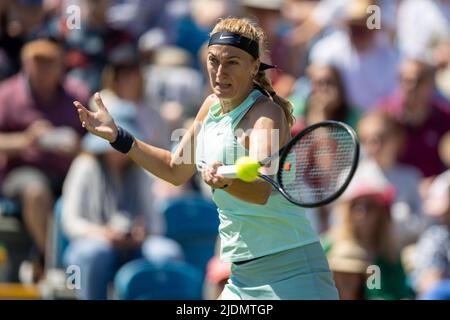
[251,30]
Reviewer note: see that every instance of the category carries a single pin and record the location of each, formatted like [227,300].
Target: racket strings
[318,165]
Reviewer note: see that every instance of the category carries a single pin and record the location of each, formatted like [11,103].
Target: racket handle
[229,172]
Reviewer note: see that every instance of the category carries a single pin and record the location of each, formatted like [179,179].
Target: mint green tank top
[247,230]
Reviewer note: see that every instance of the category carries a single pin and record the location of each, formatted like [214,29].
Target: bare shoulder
[265,113]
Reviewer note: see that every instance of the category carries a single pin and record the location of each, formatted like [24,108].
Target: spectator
[123,86]
[300,34]
[365,218]
[268,14]
[328,13]
[318,19]
[89,46]
[426,117]
[383,138]
[39,132]
[136,16]
[421,36]
[348,262]
[327,100]
[365,58]
[432,260]
[107,212]
[166,86]
[8,45]
[20,22]
[192,30]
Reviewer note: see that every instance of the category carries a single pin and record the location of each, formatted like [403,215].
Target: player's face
[231,71]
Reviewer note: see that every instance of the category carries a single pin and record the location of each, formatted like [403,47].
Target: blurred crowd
[382,67]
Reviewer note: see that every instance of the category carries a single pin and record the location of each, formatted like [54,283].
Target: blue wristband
[124,140]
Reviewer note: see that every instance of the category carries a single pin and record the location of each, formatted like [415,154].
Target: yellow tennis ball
[247,169]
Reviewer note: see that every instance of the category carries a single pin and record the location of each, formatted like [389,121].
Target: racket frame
[285,151]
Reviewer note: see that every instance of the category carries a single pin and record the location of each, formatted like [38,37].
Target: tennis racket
[315,167]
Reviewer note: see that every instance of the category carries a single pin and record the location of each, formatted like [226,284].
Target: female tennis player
[275,254]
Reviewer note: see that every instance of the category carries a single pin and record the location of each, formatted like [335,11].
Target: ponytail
[264,85]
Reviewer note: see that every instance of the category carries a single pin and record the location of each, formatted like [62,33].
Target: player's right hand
[99,122]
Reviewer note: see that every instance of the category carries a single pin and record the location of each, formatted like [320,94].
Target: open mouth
[223,86]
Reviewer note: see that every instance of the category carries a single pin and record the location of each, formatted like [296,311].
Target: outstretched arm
[176,168]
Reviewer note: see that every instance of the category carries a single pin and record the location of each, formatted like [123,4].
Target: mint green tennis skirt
[297,274]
